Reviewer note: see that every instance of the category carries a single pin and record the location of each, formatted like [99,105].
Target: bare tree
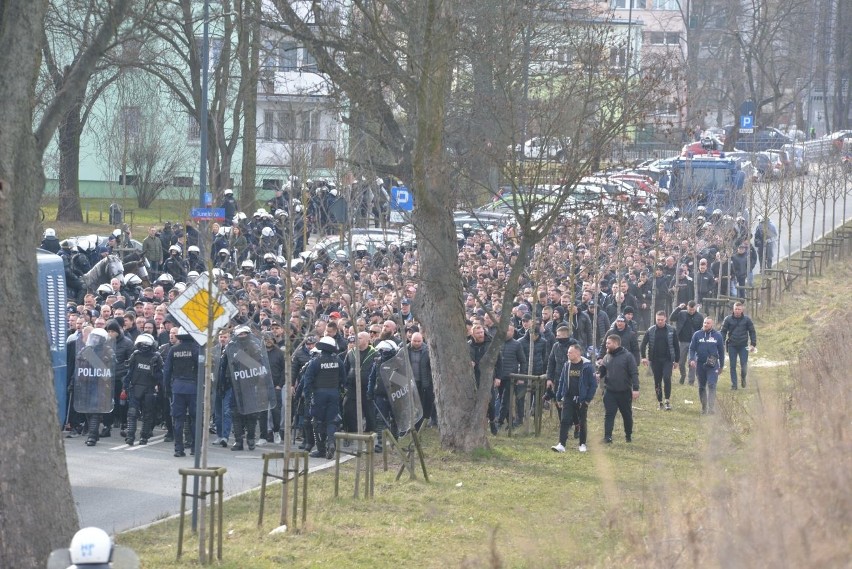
[36,499]
[409,52]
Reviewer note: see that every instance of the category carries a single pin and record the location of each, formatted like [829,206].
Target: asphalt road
[117,487]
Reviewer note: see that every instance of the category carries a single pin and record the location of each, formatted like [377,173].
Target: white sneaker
[277,438]
[215,441]
[260,442]
[583,448]
[558,448]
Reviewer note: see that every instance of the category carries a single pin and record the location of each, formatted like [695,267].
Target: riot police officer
[323,378]
[180,371]
[142,386]
[93,383]
[245,367]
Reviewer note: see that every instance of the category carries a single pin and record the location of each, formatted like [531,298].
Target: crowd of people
[589,292]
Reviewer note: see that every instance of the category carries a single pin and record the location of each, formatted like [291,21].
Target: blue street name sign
[208,214]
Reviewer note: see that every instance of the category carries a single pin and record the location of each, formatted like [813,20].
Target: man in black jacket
[514,361]
[662,357]
[478,345]
[123,351]
[628,338]
[621,386]
[740,339]
[687,321]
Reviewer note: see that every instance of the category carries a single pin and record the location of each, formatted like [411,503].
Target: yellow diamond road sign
[192,309]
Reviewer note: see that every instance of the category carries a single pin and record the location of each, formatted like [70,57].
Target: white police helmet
[267,232]
[144,340]
[90,546]
[193,249]
[49,232]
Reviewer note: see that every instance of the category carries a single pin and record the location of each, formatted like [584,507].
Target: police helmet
[717,211]
[182,333]
[193,274]
[97,336]
[333,191]
[91,546]
[240,330]
[238,217]
[104,289]
[260,212]
[247,265]
[267,232]
[360,247]
[327,344]
[298,208]
[166,279]
[175,248]
[341,255]
[466,226]
[281,214]
[268,257]
[224,252]
[117,232]
[280,260]
[180,287]
[228,192]
[144,341]
[132,280]
[386,346]
[193,249]
[49,232]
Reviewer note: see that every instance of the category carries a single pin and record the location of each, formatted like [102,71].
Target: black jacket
[671,339]
[629,341]
[738,332]
[540,355]
[276,365]
[619,371]
[686,324]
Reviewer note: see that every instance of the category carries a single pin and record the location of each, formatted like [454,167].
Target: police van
[52,295]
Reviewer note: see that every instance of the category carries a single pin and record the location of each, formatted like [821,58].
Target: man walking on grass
[576,390]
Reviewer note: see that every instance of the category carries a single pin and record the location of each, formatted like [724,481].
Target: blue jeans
[707,378]
[733,353]
[224,420]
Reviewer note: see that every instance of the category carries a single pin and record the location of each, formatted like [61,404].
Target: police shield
[95,375]
[398,379]
[248,369]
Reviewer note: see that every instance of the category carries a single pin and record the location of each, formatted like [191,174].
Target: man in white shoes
[577,386]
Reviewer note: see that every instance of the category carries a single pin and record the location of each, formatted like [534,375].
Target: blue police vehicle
[52,295]
[714,182]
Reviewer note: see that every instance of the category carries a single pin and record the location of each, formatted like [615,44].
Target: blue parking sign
[402,198]
[746,121]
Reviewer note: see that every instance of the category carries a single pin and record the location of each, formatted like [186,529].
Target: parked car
[707,146]
[545,148]
[796,155]
[763,138]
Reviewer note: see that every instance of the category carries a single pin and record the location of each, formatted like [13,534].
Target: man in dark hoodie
[621,386]
[628,338]
[577,388]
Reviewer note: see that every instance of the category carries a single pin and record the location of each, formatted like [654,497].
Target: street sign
[192,309]
[401,203]
[402,198]
[746,124]
[207,214]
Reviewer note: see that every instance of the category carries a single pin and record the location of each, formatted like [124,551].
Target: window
[287,56]
[666,5]
[670,108]
[131,121]
[662,38]
[268,125]
[284,126]
[127,179]
[267,55]
[182,181]
[617,57]
[193,129]
[308,60]
[624,4]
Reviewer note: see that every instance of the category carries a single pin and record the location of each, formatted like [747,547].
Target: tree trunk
[249,53]
[461,407]
[38,513]
[70,129]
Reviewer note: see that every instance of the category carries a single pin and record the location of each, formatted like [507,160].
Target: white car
[545,148]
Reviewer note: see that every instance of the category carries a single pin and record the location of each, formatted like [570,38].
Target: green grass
[518,504]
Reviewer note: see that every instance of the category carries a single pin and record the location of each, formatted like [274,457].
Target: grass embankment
[735,489]
[96,216]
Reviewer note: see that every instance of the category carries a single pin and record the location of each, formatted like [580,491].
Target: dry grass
[784,500]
